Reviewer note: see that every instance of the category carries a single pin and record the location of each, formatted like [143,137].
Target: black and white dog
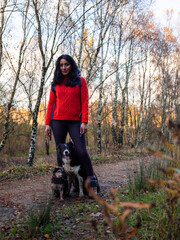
[73,168]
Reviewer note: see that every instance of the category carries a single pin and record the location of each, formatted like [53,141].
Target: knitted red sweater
[68,103]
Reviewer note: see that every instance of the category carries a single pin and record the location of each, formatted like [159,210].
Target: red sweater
[68,103]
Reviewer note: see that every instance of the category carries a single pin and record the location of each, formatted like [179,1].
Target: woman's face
[65,67]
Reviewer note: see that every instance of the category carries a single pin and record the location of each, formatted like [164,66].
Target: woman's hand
[48,131]
[83,128]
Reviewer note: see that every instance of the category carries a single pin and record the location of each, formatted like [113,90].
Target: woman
[67,109]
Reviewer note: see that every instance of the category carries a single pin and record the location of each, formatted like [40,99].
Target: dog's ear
[59,149]
[59,146]
[71,144]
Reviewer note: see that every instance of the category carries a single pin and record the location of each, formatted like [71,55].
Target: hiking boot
[94,184]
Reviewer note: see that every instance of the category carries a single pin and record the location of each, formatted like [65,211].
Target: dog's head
[66,150]
[58,172]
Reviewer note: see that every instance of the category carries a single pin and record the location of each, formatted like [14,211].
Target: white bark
[17,74]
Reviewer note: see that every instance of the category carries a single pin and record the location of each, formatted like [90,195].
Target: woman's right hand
[48,131]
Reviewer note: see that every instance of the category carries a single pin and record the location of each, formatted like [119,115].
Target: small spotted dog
[59,183]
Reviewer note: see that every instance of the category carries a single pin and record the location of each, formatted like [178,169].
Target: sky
[160,7]
[164,4]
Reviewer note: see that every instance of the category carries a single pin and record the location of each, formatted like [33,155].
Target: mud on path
[17,196]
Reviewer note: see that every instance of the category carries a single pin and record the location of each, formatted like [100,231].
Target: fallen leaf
[96,214]
[46,236]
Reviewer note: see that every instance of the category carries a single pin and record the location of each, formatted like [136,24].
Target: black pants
[60,129]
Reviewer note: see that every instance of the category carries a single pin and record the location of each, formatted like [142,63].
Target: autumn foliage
[116,213]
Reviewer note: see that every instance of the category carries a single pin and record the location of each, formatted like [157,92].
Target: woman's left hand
[83,128]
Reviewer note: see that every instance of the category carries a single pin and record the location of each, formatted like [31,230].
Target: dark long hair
[72,77]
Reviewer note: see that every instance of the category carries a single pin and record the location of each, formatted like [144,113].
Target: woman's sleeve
[51,105]
[84,100]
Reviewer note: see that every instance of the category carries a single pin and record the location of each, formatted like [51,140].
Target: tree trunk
[127,118]
[1,31]
[120,138]
[125,89]
[114,113]
[45,137]
[176,103]
[35,116]
[20,61]
[163,104]
[82,33]
[99,146]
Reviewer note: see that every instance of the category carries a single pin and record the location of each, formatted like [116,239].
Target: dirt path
[17,196]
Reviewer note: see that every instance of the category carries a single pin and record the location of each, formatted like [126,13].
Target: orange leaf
[158,154]
[137,205]
[132,233]
[125,214]
[167,143]
[46,236]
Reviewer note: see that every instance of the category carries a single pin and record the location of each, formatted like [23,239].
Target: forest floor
[17,196]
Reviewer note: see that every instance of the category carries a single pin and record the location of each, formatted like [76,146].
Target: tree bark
[99,145]
[35,116]
[82,33]
[20,61]
[1,31]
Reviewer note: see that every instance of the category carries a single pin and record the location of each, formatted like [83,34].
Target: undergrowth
[143,210]
[155,223]
[138,182]
[17,172]
[144,214]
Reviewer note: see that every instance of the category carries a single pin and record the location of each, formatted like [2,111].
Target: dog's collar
[54,176]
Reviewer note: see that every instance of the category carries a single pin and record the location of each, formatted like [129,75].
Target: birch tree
[124,89]
[22,50]
[142,73]
[82,33]
[122,41]
[164,49]
[45,65]
[5,14]
[176,91]
[117,51]
[99,33]
[99,146]
[50,41]
[103,18]
[2,23]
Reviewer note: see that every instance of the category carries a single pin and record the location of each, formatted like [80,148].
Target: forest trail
[18,196]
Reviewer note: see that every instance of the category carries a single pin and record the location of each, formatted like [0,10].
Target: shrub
[117,212]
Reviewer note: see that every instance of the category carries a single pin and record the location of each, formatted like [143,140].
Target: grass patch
[155,222]
[99,159]
[70,221]
[17,172]
[138,182]
[38,222]
[74,220]
[43,151]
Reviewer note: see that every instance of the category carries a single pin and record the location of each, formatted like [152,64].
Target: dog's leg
[53,187]
[72,185]
[69,183]
[80,180]
[75,184]
[61,192]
